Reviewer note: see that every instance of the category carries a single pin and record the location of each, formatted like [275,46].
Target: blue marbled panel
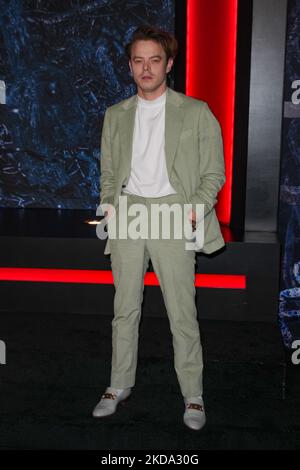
[63,63]
[289,207]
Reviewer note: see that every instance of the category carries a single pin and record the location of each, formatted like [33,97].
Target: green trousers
[175,270]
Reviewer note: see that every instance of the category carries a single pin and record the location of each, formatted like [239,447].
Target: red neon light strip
[211,74]
[86,276]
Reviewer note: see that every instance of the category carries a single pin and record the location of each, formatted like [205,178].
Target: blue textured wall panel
[63,63]
[289,208]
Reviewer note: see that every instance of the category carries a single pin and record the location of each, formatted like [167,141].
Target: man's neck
[152,95]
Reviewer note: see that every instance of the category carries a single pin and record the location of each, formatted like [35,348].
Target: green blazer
[194,156]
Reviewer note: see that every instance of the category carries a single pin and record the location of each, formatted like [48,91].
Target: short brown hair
[147,33]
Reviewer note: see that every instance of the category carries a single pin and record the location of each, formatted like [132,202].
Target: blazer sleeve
[107,176]
[211,164]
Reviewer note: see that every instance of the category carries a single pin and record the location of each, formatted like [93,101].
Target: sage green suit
[195,166]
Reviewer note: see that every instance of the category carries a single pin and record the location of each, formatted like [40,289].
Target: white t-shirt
[149,176]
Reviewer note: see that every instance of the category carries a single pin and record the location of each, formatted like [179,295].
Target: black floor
[58,366]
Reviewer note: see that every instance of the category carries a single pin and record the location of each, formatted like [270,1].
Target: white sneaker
[194,415]
[109,401]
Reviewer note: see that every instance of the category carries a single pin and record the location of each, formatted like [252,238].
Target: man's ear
[169,64]
[130,66]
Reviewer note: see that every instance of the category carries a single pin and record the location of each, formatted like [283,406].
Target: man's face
[148,65]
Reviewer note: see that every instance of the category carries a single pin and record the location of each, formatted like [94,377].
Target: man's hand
[192,219]
[109,212]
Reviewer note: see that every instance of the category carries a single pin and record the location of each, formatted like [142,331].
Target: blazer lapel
[173,125]
[126,127]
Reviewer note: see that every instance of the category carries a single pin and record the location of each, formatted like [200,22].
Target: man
[159,146]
